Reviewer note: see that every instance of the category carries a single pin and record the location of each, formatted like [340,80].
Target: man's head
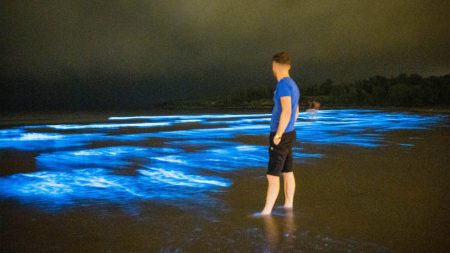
[281,62]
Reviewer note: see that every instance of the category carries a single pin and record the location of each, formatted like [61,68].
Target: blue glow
[53,190]
[216,159]
[172,164]
[177,178]
[242,121]
[108,125]
[107,157]
[363,128]
[190,116]
[204,143]
[223,132]
[21,140]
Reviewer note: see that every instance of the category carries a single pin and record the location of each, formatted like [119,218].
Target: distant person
[282,134]
[313,108]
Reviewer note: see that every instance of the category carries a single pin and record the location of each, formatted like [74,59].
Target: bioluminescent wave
[108,125]
[30,141]
[190,116]
[52,190]
[169,159]
[363,128]
[115,157]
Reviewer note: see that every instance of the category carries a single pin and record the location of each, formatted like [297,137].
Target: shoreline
[47,117]
[205,109]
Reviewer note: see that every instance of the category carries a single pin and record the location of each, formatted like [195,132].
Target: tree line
[401,90]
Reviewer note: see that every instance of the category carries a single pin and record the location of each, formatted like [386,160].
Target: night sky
[204,47]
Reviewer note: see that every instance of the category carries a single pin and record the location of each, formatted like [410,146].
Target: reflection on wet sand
[279,229]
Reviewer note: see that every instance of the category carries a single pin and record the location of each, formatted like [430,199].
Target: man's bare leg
[289,189]
[272,193]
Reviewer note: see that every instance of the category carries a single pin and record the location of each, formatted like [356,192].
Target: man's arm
[285,114]
[296,113]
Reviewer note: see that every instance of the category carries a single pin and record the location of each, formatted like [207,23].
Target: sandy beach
[367,181]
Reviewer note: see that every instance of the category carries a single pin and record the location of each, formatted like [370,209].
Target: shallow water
[367,181]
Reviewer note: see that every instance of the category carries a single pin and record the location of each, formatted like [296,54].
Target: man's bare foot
[259,214]
[264,212]
[288,206]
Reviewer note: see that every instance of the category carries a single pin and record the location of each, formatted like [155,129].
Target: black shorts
[280,156]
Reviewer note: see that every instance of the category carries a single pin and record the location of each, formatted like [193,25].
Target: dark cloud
[223,43]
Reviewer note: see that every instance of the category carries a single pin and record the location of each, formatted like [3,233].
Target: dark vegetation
[403,90]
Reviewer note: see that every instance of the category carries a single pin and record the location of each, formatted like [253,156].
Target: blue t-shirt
[285,87]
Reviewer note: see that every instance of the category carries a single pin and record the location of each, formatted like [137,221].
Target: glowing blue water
[172,165]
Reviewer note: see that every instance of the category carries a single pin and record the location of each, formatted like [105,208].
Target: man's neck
[282,75]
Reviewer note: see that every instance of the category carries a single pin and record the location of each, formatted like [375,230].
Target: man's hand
[276,140]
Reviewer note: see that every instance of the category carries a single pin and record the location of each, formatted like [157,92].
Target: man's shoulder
[288,84]
[292,82]
[286,81]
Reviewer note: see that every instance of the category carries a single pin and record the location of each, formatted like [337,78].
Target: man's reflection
[280,230]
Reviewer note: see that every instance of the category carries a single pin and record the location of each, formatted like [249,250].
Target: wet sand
[393,198]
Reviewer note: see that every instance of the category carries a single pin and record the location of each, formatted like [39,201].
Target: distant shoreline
[101,116]
[329,107]
[223,109]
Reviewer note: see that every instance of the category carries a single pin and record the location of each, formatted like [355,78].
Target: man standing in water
[282,134]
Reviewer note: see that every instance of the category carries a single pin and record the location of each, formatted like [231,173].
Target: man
[282,134]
